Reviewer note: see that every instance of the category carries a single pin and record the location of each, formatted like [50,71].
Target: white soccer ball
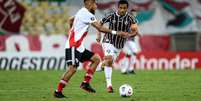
[125,90]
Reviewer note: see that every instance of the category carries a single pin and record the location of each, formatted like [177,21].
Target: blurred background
[33,33]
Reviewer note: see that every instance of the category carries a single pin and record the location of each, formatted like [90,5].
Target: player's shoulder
[109,14]
[84,12]
[133,18]
[130,15]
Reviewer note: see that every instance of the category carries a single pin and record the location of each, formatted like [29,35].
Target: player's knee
[96,58]
[109,60]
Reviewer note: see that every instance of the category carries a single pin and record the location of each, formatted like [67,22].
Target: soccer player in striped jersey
[120,20]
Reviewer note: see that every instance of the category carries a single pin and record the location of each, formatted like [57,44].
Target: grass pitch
[184,85]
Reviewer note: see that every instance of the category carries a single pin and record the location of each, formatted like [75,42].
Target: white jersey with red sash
[79,30]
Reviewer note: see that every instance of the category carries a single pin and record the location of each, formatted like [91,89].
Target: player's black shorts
[73,56]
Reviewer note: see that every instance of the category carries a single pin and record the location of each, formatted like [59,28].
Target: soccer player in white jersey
[120,20]
[131,48]
[75,50]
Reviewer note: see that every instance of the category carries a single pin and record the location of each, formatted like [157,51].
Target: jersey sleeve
[133,20]
[106,19]
[89,18]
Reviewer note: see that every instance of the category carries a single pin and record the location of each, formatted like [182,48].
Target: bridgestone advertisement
[19,52]
[32,61]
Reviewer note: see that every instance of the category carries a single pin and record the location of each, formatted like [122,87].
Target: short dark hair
[123,2]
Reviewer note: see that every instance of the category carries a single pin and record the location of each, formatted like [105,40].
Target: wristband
[114,32]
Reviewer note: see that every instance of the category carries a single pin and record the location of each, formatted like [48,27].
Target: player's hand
[123,34]
[137,34]
[133,34]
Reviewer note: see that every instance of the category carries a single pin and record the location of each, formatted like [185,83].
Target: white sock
[124,65]
[132,62]
[108,75]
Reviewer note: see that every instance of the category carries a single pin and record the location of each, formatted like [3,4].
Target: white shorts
[130,47]
[110,50]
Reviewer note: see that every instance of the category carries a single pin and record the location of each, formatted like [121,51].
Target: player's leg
[125,62]
[101,66]
[135,49]
[132,50]
[108,72]
[95,60]
[108,61]
[132,62]
[72,67]
[64,81]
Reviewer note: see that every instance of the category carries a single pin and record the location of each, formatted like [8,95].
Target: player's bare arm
[71,20]
[103,29]
[98,38]
[134,30]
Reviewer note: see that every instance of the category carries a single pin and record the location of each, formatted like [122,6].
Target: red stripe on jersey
[72,39]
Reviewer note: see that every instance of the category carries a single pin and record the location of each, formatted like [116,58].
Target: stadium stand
[44,18]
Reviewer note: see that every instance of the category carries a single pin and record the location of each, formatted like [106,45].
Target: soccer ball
[125,90]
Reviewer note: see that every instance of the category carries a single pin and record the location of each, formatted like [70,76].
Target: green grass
[148,86]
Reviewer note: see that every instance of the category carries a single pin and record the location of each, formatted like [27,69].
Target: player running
[131,49]
[75,50]
[113,44]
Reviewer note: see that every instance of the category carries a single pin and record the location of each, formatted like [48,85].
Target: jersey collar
[121,16]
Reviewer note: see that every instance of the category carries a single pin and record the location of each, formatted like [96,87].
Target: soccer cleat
[124,73]
[59,95]
[110,89]
[131,72]
[87,87]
